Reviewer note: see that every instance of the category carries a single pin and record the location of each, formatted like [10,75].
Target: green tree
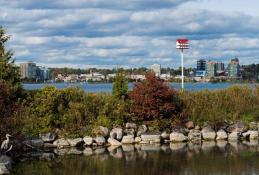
[120,86]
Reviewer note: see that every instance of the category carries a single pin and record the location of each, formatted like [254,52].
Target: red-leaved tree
[153,99]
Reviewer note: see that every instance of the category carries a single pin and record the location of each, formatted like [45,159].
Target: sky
[130,33]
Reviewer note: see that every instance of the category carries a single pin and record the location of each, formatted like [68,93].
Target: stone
[114,142]
[141,130]
[222,135]
[234,136]
[75,142]
[189,125]
[129,139]
[5,164]
[116,133]
[61,151]
[195,135]
[208,133]
[61,143]
[165,135]
[88,140]
[49,145]
[48,137]
[252,135]
[239,127]
[178,137]
[253,126]
[38,143]
[131,126]
[197,127]
[102,131]
[74,151]
[129,131]
[138,139]
[151,137]
[100,140]
[144,142]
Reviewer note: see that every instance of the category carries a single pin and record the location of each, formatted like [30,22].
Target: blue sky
[130,33]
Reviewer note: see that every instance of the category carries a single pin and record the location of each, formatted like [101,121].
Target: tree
[153,100]
[120,86]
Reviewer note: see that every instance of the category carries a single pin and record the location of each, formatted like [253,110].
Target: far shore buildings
[156,68]
[30,70]
[234,68]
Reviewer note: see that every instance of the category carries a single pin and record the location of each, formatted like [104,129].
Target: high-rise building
[201,64]
[156,68]
[28,70]
[234,68]
[210,69]
[220,68]
[43,73]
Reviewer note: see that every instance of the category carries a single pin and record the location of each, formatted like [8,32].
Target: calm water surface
[107,87]
[175,159]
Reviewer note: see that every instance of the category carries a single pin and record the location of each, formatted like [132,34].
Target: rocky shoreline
[132,134]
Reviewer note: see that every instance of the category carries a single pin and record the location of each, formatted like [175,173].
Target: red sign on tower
[182,44]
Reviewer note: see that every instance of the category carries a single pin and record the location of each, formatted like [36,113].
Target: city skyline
[101,34]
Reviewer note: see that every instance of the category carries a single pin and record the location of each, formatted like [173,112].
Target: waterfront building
[201,68]
[28,70]
[220,67]
[43,73]
[234,68]
[210,69]
[156,68]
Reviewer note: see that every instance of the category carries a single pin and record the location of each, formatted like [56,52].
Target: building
[28,70]
[234,68]
[220,67]
[43,73]
[156,68]
[210,69]
[201,68]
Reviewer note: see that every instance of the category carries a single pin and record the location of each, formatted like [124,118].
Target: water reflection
[174,159]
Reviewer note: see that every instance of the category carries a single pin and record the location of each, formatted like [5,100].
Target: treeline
[250,72]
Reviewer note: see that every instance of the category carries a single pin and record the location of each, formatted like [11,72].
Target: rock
[138,139]
[129,139]
[234,136]
[131,126]
[239,127]
[38,143]
[165,135]
[252,135]
[197,127]
[178,137]
[114,142]
[100,140]
[194,135]
[88,140]
[61,151]
[5,164]
[141,130]
[253,126]
[49,145]
[75,142]
[129,131]
[74,151]
[48,137]
[144,142]
[61,143]
[208,133]
[102,131]
[189,125]
[222,135]
[116,133]
[151,137]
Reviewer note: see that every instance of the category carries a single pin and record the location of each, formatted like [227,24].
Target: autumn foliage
[153,99]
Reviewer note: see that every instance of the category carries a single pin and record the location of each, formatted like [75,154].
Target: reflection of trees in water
[207,158]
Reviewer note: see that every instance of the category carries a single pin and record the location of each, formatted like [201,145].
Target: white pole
[182,69]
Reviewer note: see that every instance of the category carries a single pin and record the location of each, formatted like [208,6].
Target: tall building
[220,68]
[210,69]
[201,68]
[234,68]
[43,73]
[156,68]
[28,70]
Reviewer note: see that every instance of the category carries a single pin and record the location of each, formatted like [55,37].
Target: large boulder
[102,131]
[195,135]
[5,164]
[114,142]
[208,133]
[222,135]
[138,139]
[141,130]
[88,140]
[252,135]
[48,137]
[61,143]
[239,127]
[100,140]
[129,139]
[130,131]
[190,125]
[37,143]
[178,137]
[165,135]
[131,126]
[116,133]
[151,137]
[75,142]
[234,136]
[253,126]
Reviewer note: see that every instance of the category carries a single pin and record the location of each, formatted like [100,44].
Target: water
[107,87]
[175,159]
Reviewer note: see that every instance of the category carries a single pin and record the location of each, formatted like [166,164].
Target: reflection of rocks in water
[74,151]
[194,147]
[61,152]
[137,147]
[222,144]
[47,156]
[208,145]
[112,148]
[151,147]
[178,146]
[117,153]
[253,143]
[128,148]
[5,164]
[166,148]
[99,150]
[88,151]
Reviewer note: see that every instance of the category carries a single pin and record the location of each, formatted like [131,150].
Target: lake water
[107,87]
[209,158]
